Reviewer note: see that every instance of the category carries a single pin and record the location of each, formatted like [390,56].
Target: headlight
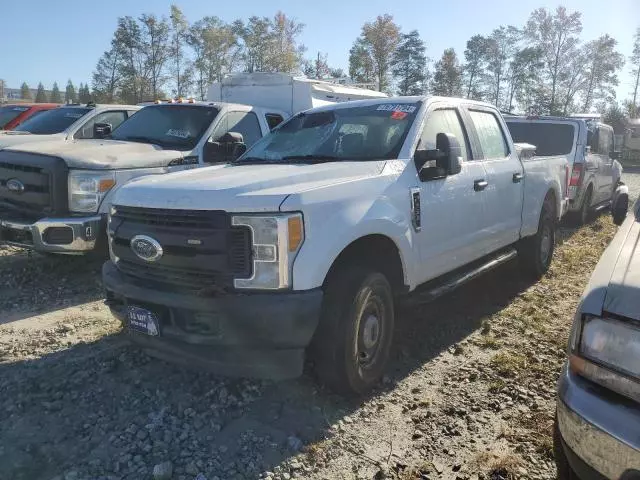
[276,240]
[612,343]
[608,353]
[87,189]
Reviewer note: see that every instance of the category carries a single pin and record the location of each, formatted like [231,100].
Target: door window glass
[490,134]
[443,121]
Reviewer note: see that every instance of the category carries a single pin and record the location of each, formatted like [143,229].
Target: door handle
[517,177]
[479,185]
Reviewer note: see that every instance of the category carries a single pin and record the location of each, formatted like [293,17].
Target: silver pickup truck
[588,147]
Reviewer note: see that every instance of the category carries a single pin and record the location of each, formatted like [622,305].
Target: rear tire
[584,215]
[352,343]
[536,252]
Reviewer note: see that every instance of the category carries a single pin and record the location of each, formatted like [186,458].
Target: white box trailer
[284,92]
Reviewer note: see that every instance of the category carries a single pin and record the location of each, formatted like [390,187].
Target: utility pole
[2,97]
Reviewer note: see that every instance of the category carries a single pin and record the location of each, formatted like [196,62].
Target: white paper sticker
[73,115]
[173,132]
[20,109]
[398,107]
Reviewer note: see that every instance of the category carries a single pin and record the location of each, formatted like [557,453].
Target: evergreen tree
[25,92]
[410,64]
[447,77]
[41,95]
[70,93]
[56,97]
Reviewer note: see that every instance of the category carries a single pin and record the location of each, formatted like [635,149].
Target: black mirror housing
[228,147]
[101,130]
[443,161]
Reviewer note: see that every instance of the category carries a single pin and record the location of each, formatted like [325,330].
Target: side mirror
[228,147]
[101,130]
[443,161]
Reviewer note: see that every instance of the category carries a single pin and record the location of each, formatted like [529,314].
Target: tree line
[541,67]
[82,94]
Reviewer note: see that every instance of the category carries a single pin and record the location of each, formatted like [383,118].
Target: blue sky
[55,43]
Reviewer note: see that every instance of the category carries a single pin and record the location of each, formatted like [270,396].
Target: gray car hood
[614,286]
[623,292]
[103,154]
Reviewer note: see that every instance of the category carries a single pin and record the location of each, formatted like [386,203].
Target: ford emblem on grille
[146,248]
[14,185]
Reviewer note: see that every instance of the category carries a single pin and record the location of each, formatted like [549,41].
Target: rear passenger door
[504,179]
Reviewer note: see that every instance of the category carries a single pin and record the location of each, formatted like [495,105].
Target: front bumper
[600,430]
[73,235]
[262,335]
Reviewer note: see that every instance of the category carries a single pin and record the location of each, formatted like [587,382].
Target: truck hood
[239,188]
[104,154]
[623,292]
[11,138]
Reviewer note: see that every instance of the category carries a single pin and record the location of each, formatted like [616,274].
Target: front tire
[352,344]
[536,252]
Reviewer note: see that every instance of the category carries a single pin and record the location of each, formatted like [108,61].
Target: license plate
[143,321]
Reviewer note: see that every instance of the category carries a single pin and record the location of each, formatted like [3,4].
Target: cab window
[443,121]
[490,134]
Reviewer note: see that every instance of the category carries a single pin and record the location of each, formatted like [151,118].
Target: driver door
[451,208]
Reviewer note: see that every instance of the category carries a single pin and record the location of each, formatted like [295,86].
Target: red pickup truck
[13,115]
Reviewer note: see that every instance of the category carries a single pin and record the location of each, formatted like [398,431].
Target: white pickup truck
[309,237]
[67,123]
[54,196]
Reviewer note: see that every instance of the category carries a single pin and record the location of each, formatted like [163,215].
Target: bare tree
[634,59]
[155,47]
[602,62]
[180,67]
[557,36]
[475,66]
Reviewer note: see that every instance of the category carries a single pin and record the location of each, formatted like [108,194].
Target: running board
[430,291]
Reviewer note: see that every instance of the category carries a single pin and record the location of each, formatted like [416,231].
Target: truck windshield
[9,113]
[549,138]
[170,126]
[52,121]
[360,133]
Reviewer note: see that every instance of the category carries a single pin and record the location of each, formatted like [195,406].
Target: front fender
[329,229]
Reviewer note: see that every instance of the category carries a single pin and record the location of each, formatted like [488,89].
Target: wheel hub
[370,331]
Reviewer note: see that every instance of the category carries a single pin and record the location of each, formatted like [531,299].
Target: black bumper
[261,335]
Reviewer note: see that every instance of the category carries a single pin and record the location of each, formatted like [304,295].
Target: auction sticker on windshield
[398,107]
[177,133]
[73,115]
[20,109]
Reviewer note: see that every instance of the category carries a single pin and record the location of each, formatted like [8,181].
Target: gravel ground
[470,391]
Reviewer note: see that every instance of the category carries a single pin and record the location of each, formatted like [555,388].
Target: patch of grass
[497,386]
[498,463]
[488,342]
[486,327]
[508,364]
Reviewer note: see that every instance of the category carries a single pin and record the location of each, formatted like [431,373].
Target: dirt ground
[469,394]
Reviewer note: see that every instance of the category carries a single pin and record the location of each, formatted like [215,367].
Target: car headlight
[607,351]
[276,240]
[87,189]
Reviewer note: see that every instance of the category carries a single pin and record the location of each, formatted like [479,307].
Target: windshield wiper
[254,160]
[310,158]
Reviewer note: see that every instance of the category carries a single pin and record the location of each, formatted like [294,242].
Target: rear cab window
[273,120]
[550,138]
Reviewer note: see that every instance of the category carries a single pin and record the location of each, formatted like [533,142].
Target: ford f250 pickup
[304,243]
[54,196]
